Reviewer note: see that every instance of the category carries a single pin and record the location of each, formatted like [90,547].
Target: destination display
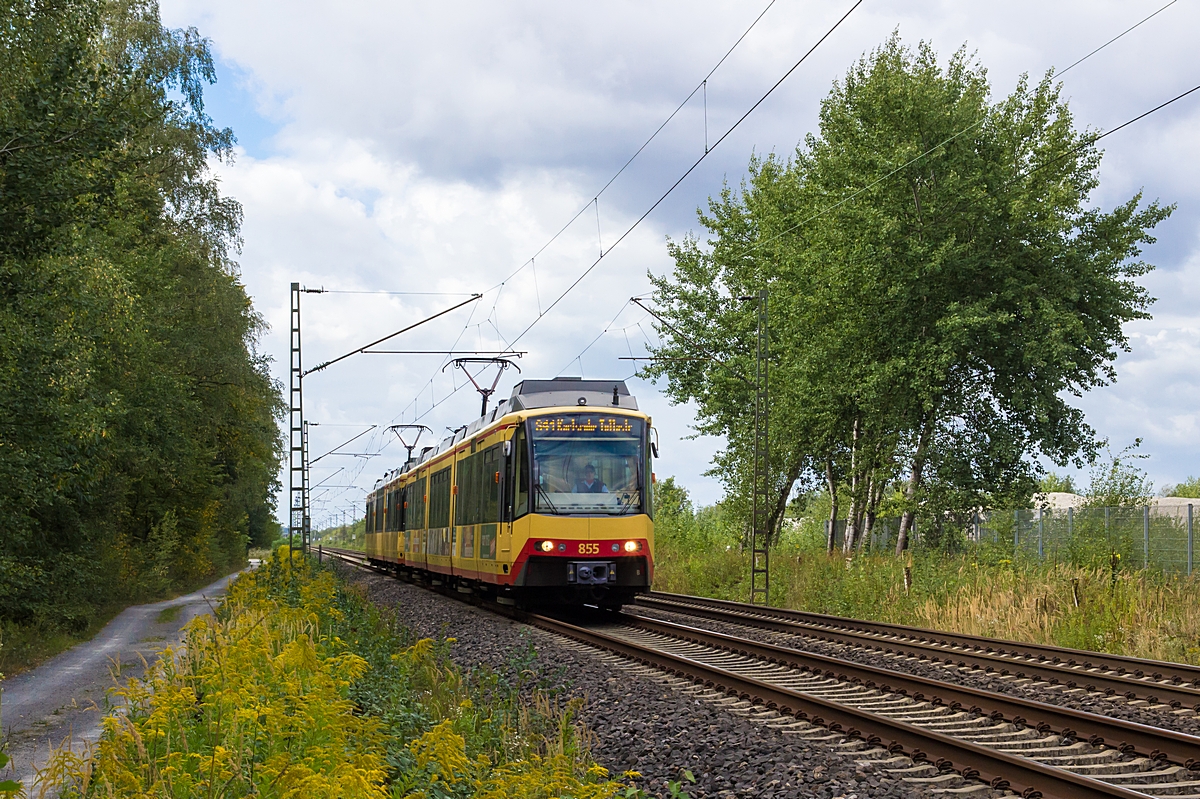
[580,423]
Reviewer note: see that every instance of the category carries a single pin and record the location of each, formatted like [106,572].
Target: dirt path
[66,696]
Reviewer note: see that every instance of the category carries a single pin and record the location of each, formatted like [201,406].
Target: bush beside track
[296,686]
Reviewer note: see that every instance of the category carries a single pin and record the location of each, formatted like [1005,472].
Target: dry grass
[1141,613]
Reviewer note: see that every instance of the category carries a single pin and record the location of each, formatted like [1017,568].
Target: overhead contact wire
[689,171]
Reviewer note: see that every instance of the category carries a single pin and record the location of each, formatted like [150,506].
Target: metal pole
[1070,524]
[297,505]
[307,527]
[1145,536]
[1016,530]
[1041,534]
[1189,539]
[760,532]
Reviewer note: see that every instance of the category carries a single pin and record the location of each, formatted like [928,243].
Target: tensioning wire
[595,199]
[689,171]
[645,144]
[972,127]
[960,133]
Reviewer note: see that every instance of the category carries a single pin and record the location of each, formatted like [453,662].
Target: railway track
[1173,684]
[947,736]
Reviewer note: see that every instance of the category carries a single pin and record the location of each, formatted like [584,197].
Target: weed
[297,686]
[1100,604]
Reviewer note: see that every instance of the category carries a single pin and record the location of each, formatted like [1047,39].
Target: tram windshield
[588,463]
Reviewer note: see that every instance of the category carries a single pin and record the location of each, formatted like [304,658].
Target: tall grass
[296,686]
[984,591]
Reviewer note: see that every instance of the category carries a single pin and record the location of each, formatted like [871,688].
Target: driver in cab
[590,484]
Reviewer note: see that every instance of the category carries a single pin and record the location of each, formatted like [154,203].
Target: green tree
[937,285]
[1188,488]
[1053,482]
[1116,482]
[139,443]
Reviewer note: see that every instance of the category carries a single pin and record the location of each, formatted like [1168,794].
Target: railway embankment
[62,698]
[296,685]
[637,718]
[1060,684]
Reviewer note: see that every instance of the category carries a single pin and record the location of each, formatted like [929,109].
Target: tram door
[516,488]
[504,535]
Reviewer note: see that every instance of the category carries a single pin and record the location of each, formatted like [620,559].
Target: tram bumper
[591,572]
[557,572]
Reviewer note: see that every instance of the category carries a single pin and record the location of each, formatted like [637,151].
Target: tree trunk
[792,474]
[855,481]
[869,516]
[831,484]
[914,483]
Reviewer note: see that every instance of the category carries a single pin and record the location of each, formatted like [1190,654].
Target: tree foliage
[1052,482]
[138,435]
[1116,481]
[1189,488]
[938,285]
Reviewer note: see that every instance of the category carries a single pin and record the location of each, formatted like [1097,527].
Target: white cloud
[435,147]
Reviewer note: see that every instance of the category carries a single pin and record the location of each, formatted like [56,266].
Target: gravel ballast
[1115,707]
[640,720]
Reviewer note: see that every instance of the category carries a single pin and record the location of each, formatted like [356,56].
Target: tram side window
[466,508]
[394,509]
[379,513]
[489,484]
[439,499]
[416,505]
[370,523]
[520,474]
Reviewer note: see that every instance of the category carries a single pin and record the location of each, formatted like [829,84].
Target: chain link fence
[1152,537]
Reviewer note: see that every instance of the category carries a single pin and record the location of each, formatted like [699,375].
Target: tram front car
[584,493]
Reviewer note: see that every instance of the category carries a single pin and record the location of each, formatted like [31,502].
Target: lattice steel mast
[298,517]
[760,532]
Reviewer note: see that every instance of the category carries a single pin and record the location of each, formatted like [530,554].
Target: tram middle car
[546,499]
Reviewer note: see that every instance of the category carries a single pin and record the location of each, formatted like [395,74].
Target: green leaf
[940,287]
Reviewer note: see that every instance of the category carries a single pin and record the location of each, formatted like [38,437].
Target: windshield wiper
[626,504]
[546,497]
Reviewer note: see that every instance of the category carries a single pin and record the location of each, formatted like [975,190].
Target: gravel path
[1116,707]
[66,697]
[641,720]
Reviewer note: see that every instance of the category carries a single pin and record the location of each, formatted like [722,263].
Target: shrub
[296,686]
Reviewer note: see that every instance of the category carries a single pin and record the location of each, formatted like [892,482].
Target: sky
[436,150]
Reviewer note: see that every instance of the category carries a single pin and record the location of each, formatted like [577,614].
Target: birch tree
[939,286]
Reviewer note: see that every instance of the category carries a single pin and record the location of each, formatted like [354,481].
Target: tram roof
[565,391]
[529,395]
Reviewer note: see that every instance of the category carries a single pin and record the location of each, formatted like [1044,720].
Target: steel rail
[1152,742]
[1000,770]
[942,647]
[1083,657]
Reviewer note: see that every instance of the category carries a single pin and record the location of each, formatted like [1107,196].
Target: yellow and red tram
[547,499]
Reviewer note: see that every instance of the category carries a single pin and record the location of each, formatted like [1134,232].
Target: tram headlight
[633,546]
[546,546]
